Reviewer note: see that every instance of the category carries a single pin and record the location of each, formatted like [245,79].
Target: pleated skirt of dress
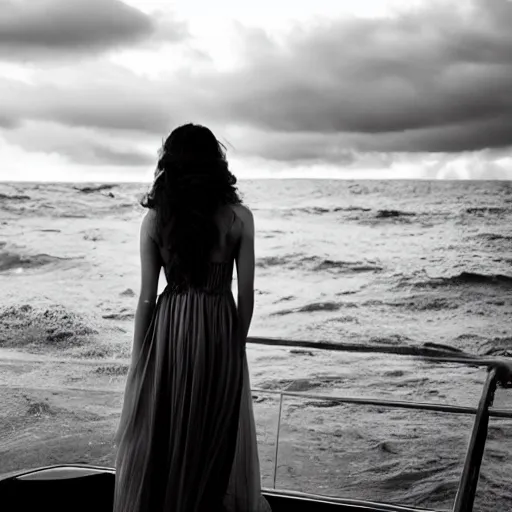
[186,439]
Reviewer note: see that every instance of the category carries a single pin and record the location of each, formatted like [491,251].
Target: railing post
[277,437]
[469,480]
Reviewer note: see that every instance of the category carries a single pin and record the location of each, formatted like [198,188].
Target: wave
[321,210]
[15,197]
[316,264]
[352,209]
[13,261]
[273,261]
[497,346]
[465,278]
[286,298]
[347,266]
[314,210]
[344,319]
[392,339]
[96,188]
[118,316]
[25,326]
[73,216]
[417,303]
[493,237]
[483,345]
[386,214]
[366,214]
[491,210]
[290,211]
[311,308]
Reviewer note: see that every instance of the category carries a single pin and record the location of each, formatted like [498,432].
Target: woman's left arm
[151,263]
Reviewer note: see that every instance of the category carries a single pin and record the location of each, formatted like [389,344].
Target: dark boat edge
[98,482]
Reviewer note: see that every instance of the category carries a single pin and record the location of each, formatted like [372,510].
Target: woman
[187,440]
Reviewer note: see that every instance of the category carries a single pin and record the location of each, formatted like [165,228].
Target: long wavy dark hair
[192,181]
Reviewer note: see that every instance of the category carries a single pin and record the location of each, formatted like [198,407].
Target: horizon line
[289,178]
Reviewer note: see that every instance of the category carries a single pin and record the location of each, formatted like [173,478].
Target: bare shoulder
[149,223]
[245,215]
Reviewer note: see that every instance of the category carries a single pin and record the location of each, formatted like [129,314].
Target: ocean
[399,262]
[368,262]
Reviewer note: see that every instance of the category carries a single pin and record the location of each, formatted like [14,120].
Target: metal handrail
[426,353]
[469,479]
[399,404]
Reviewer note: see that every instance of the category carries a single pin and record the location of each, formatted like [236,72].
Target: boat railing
[466,492]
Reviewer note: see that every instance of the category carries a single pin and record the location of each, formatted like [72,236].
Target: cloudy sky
[299,88]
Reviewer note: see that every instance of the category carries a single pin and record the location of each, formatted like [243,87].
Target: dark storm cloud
[8,122]
[100,95]
[48,28]
[295,148]
[435,79]
[78,145]
[432,80]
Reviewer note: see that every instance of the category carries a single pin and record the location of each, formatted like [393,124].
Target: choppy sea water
[370,262]
[403,262]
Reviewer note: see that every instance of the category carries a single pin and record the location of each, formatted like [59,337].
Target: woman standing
[187,440]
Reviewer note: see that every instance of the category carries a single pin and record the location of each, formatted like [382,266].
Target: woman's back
[229,227]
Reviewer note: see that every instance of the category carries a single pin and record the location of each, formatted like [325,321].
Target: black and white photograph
[256,256]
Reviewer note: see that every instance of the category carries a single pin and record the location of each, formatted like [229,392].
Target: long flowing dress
[186,438]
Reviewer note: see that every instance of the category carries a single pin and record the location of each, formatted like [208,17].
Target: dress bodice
[218,280]
[220,268]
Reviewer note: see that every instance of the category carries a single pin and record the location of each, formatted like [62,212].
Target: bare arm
[245,263]
[150,271]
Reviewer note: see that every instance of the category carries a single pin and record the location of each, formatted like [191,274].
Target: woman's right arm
[503,373]
[245,264]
